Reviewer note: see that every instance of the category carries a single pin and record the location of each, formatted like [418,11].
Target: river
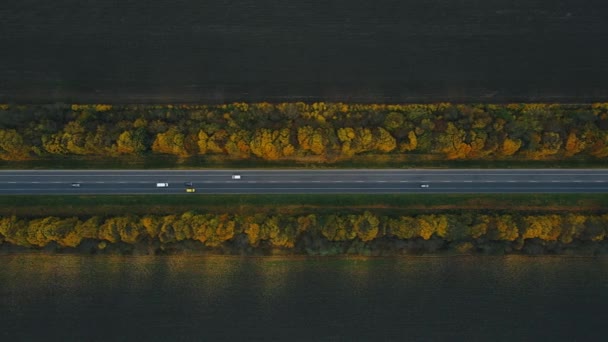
[100,298]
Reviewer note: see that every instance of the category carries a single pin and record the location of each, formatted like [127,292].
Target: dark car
[188,184]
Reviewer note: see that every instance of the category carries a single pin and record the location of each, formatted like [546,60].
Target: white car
[236,176]
[424,185]
[162,185]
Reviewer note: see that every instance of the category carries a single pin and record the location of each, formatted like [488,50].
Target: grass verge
[34,206]
[360,161]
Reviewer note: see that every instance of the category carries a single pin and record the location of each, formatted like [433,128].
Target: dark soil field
[271,50]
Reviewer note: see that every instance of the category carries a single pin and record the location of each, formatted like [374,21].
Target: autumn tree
[510,146]
[130,143]
[545,227]
[170,142]
[453,144]
[12,146]
[505,228]
[271,144]
[365,225]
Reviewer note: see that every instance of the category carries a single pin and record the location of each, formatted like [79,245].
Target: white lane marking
[412,190]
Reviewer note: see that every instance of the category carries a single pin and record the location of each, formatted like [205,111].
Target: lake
[333,50]
[100,298]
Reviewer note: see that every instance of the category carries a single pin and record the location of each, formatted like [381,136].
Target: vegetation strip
[59,205]
[307,224]
[304,134]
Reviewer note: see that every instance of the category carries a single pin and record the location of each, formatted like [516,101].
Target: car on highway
[424,185]
[188,184]
[162,185]
[76,185]
[191,190]
[236,176]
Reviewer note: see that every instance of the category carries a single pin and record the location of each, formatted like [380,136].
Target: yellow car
[191,190]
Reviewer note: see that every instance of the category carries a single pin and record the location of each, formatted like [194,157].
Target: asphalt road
[304,181]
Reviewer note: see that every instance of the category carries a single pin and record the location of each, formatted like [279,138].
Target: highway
[321,181]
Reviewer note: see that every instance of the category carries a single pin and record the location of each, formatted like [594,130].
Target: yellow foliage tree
[366,226]
[546,227]
[433,224]
[506,228]
[453,144]
[403,228]
[203,139]
[411,145]
[574,145]
[510,146]
[12,146]
[385,141]
[170,142]
[262,144]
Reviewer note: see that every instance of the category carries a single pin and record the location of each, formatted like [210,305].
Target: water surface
[103,298]
[332,50]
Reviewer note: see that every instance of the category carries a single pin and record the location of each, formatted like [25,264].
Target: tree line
[317,132]
[301,233]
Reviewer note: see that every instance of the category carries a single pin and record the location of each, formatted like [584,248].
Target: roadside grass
[150,161]
[394,204]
